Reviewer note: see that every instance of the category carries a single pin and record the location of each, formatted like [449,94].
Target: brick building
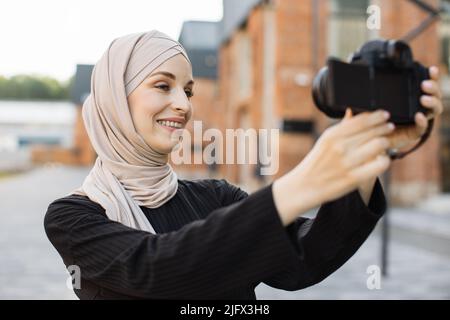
[270,52]
[81,153]
[254,69]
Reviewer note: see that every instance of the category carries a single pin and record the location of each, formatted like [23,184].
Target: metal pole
[433,17]
[385,236]
[385,226]
[315,34]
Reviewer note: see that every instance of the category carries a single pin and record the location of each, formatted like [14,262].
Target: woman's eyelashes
[189,93]
[166,88]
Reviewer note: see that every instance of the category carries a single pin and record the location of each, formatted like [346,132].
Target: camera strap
[395,156]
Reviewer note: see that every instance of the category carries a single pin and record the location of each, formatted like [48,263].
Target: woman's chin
[166,148]
[161,143]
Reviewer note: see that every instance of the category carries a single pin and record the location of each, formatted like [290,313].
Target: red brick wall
[414,177]
[417,175]
[220,105]
[293,55]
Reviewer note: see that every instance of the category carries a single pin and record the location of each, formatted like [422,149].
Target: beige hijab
[127,173]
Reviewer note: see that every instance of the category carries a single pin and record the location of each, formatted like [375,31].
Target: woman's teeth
[171,124]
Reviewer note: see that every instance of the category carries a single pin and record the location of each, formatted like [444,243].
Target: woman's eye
[164,87]
[189,93]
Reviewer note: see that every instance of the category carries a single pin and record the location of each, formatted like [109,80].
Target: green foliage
[33,87]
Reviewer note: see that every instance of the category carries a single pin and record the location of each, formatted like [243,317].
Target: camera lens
[319,89]
[321,92]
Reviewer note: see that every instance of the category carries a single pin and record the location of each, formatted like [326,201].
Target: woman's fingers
[431,87]
[421,123]
[362,122]
[434,73]
[432,99]
[364,136]
[348,114]
[433,103]
[367,151]
[371,169]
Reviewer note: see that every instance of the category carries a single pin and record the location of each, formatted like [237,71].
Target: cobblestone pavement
[413,273]
[30,267]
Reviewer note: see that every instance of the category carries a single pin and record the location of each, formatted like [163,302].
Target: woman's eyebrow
[169,75]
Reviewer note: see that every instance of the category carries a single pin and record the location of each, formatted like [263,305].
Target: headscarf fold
[127,173]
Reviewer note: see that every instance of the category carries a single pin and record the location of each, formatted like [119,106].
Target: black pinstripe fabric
[213,242]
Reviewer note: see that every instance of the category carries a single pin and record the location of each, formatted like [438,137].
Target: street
[30,267]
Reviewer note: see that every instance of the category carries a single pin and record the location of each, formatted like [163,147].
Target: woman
[136,231]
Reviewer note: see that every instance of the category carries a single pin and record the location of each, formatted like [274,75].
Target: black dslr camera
[381,75]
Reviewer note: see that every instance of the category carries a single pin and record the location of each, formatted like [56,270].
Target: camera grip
[395,156]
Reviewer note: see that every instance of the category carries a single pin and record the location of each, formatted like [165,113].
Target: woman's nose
[181,101]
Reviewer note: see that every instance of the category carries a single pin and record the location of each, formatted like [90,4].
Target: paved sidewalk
[30,267]
[413,273]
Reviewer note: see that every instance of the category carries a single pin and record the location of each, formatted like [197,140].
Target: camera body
[381,75]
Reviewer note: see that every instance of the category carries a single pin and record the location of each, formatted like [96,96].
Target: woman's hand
[345,156]
[408,136]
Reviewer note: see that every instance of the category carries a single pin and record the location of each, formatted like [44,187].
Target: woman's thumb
[348,114]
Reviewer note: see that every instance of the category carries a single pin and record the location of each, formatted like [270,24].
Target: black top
[213,242]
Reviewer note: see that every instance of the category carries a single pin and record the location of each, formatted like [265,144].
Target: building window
[445,40]
[245,65]
[347,27]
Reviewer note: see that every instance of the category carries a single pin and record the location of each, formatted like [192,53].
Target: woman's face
[161,103]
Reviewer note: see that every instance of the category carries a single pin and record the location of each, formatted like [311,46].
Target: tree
[34,87]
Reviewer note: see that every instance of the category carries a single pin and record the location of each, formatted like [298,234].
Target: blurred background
[253,64]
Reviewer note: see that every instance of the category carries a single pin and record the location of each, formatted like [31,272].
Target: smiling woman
[135,230]
[121,116]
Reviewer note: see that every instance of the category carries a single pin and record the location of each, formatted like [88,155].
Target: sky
[49,37]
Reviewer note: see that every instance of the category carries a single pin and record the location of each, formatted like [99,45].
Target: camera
[381,75]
